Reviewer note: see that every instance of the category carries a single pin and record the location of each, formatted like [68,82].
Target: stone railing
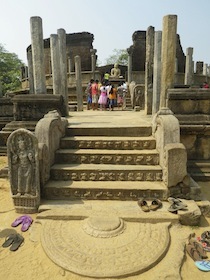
[30,157]
[173,156]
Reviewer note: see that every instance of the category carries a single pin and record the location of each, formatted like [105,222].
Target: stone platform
[111,239]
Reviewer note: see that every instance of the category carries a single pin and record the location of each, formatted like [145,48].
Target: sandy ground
[31,262]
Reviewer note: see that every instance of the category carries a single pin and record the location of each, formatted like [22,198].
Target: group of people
[105,96]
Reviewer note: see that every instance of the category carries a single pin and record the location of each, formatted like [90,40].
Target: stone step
[148,157]
[132,131]
[106,142]
[106,172]
[199,170]
[105,190]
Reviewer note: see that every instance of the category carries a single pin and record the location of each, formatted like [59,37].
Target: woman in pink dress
[103,97]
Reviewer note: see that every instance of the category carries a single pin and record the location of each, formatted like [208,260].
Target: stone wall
[76,44]
[138,50]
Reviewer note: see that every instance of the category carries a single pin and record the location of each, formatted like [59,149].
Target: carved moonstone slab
[138,248]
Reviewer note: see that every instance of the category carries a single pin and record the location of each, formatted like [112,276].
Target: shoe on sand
[143,204]
[177,201]
[193,253]
[26,224]
[9,240]
[156,203]
[203,265]
[198,247]
[18,240]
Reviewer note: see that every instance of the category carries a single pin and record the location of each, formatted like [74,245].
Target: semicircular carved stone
[138,248]
[104,227]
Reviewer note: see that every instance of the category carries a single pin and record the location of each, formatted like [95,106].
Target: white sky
[112,22]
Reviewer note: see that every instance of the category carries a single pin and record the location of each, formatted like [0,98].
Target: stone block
[190,217]
[175,164]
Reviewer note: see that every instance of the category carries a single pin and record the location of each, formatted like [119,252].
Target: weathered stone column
[199,67]
[130,51]
[205,69]
[63,66]
[70,62]
[188,67]
[157,72]
[78,77]
[55,63]
[93,62]
[168,56]
[149,69]
[37,45]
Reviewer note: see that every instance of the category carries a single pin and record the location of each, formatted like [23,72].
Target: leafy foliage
[119,56]
[10,70]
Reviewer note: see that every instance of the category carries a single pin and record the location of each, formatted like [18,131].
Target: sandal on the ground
[206,235]
[156,203]
[177,202]
[143,204]
[205,244]
[9,240]
[203,265]
[198,247]
[193,253]
[17,242]
[26,224]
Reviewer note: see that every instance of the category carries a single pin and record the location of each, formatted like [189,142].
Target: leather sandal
[143,204]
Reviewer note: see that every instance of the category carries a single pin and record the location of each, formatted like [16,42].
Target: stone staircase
[107,163]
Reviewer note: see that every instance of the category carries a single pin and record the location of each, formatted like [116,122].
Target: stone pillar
[55,63]
[63,66]
[168,56]
[130,50]
[149,69]
[37,45]
[199,67]
[205,69]
[188,67]
[78,77]
[157,72]
[70,63]
[93,62]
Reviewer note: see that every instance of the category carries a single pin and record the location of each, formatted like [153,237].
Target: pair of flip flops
[25,220]
[155,204]
[13,240]
[195,249]
[176,205]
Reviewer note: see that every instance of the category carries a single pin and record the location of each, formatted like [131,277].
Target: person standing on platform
[89,94]
[94,93]
[103,97]
[112,98]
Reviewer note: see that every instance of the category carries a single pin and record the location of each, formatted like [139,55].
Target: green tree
[119,56]
[10,70]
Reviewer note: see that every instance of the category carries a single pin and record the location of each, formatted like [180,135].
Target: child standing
[94,93]
[89,94]
[112,98]
[103,97]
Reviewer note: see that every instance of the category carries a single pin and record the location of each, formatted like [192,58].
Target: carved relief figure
[23,163]
[24,158]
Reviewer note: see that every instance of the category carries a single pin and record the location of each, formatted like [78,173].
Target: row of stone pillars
[161,64]
[36,66]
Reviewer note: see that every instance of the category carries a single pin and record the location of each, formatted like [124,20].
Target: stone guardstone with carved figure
[23,161]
